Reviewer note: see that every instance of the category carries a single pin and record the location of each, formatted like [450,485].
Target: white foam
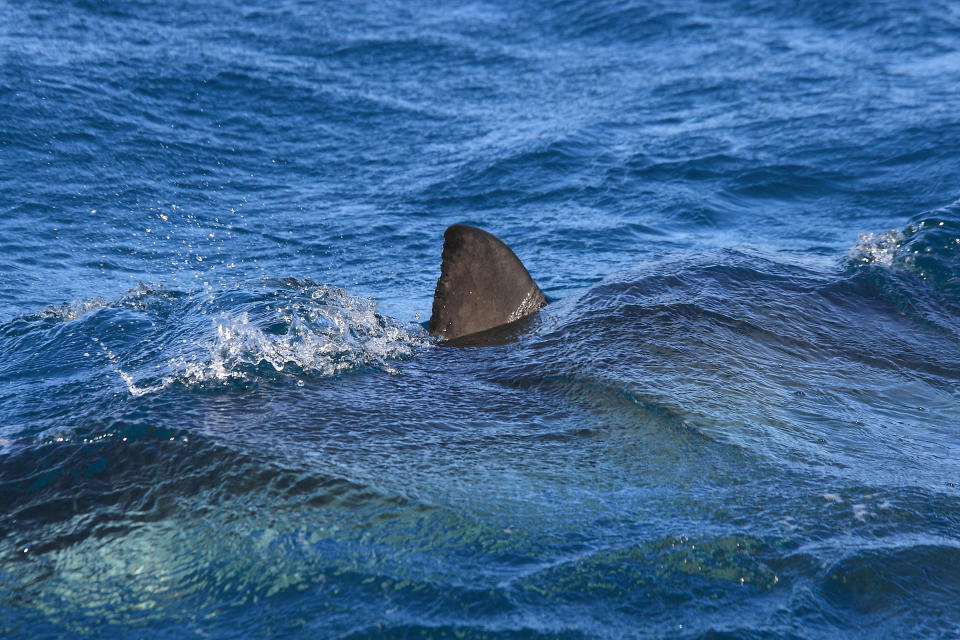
[134,389]
[876,248]
[297,328]
[327,334]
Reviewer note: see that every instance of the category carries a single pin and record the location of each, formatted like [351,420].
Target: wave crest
[150,338]
[323,331]
[876,248]
[928,246]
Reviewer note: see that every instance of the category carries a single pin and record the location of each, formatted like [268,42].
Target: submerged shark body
[483,286]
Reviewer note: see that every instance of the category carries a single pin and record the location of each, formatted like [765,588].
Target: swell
[105,480]
[188,525]
[133,524]
[836,371]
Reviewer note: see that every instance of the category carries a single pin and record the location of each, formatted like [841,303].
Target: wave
[773,357]
[151,337]
[928,247]
[322,331]
[916,269]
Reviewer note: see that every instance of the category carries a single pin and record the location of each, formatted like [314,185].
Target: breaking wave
[927,247]
[150,338]
[320,331]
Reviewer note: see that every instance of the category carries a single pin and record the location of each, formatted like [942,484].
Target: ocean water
[221,415]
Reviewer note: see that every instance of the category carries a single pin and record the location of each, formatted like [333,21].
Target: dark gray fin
[482,285]
[503,334]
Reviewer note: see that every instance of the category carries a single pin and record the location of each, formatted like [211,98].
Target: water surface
[220,230]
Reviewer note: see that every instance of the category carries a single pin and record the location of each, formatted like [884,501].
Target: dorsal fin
[482,285]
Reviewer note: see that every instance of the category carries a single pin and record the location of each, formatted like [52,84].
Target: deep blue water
[220,230]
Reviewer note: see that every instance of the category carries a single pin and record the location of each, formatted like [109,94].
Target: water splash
[69,311]
[308,329]
[142,298]
[876,248]
[928,247]
[152,337]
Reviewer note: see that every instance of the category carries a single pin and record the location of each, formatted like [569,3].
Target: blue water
[220,230]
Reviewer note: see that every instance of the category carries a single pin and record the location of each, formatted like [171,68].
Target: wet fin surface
[482,285]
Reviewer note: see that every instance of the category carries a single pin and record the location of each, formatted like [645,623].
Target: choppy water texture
[220,230]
